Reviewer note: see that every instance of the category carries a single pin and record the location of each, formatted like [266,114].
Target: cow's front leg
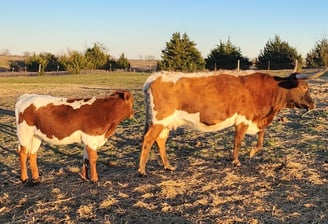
[240,132]
[259,144]
[23,159]
[161,141]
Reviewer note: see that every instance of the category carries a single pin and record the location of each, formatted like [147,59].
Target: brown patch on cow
[60,121]
[210,94]
[28,115]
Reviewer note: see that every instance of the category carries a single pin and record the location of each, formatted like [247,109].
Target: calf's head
[128,99]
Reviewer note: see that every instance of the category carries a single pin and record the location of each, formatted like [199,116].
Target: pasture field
[285,183]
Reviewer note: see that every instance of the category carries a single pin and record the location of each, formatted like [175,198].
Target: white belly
[183,118]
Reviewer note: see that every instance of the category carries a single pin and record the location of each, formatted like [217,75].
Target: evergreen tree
[277,54]
[75,62]
[226,56]
[36,62]
[319,55]
[96,57]
[181,54]
[123,62]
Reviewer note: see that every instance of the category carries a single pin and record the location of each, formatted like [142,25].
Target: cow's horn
[296,65]
[311,76]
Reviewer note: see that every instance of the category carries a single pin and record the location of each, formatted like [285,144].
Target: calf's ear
[125,95]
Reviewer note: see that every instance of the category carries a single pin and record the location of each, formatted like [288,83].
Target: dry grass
[286,183]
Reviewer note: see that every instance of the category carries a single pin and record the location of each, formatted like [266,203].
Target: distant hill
[5,61]
[143,65]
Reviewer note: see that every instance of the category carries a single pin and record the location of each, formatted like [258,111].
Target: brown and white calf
[61,121]
[211,101]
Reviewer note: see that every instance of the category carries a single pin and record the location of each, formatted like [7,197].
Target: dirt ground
[286,183]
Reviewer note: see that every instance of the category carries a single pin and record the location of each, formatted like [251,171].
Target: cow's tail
[148,108]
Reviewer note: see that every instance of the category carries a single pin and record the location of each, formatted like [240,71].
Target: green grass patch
[115,78]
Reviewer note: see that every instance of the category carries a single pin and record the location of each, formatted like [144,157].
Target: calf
[61,121]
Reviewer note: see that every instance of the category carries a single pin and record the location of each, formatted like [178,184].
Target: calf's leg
[240,132]
[34,167]
[90,159]
[23,159]
[149,138]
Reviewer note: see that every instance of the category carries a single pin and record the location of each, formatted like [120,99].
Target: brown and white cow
[211,101]
[60,121]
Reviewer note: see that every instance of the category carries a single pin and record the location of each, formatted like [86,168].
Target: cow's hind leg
[239,136]
[149,138]
[161,141]
[259,144]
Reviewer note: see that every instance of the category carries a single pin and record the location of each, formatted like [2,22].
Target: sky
[140,28]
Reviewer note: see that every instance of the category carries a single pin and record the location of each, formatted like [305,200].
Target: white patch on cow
[38,101]
[183,118]
[164,133]
[175,76]
[31,137]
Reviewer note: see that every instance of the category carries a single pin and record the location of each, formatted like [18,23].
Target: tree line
[181,54]
[74,62]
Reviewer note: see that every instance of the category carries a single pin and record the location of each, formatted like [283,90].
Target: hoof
[36,181]
[142,173]
[170,168]
[32,183]
[24,181]
[94,180]
[252,153]
[83,177]
[236,163]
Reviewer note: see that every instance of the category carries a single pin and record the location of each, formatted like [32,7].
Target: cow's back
[213,96]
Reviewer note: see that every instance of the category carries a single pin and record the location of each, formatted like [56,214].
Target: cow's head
[298,94]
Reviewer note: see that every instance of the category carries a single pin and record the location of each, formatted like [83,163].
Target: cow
[60,121]
[211,101]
